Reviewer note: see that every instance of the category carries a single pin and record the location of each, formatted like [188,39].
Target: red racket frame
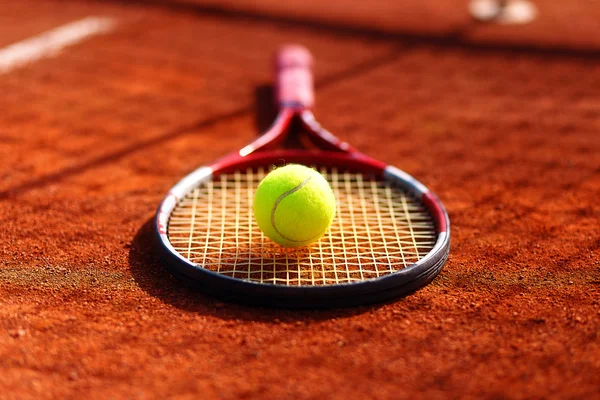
[295,96]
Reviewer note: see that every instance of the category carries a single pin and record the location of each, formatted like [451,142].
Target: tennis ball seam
[279,199]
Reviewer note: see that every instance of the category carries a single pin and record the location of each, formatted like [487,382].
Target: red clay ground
[501,122]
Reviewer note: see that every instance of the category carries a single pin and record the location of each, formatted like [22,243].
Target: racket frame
[332,153]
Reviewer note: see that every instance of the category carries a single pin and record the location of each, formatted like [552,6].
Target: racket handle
[293,66]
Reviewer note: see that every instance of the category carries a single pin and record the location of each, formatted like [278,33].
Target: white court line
[50,43]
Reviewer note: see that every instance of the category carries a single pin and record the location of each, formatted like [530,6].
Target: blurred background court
[501,121]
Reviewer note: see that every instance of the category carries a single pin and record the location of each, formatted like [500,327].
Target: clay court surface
[502,122]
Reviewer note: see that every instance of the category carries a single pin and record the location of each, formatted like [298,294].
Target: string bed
[378,229]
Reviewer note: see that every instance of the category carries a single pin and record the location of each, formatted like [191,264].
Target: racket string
[378,230]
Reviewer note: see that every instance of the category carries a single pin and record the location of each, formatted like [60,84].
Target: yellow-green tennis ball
[294,205]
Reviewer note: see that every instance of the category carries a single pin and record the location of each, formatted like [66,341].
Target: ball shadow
[153,278]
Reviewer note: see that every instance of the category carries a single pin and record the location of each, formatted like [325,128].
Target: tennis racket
[390,236]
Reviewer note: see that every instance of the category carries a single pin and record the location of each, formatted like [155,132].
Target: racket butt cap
[293,55]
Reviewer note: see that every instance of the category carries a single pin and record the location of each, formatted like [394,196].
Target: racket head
[361,260]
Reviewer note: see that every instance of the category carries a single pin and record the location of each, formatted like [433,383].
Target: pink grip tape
[294,77]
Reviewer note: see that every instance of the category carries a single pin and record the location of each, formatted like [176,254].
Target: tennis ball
[294,205]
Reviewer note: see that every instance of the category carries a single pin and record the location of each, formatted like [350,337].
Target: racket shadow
[265,109]
[152,277]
